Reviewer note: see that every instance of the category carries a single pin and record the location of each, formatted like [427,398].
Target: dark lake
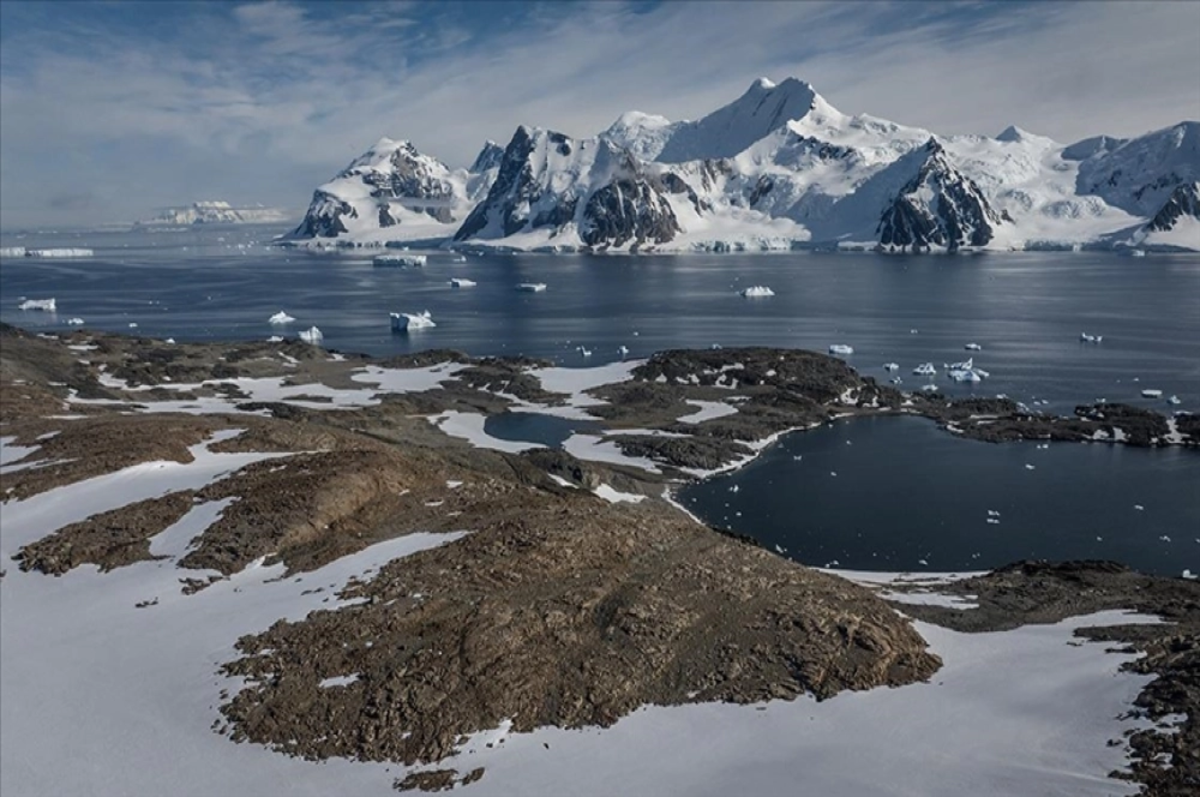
[899,494]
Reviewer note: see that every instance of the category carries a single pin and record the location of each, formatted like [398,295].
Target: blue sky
[109,110]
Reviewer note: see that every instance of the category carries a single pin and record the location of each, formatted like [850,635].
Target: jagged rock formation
[938,206]
[1184,201]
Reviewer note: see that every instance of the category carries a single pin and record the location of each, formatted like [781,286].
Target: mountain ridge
[779,167]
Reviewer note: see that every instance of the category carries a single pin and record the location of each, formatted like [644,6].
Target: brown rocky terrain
[558,608]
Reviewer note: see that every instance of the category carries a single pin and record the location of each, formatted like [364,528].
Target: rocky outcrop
[488,158]
[1184,201]
[939,206]
[388,186]
[548,181]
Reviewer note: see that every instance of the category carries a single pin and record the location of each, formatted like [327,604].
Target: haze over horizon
[117,109]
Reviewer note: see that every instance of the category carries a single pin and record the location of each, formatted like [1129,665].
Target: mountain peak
[762,109]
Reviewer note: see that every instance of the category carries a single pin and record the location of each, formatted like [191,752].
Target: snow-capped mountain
[588,192]
[779,167]
[392,185]
[214,212]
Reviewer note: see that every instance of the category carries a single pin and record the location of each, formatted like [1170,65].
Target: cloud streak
[262,102]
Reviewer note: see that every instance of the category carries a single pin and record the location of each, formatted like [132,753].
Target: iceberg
[275,339]
[841,348]
[930,388]
[624,352]
[1174,401]
[461,282]
[46,305]
[1086,338]
[756,292]
[407,322]
[925,369]
[973,347]
[585,352]
[12,251]
[75,322]
[66,252]
[311,335]
[1151,393]
[964,375]
[280,318]
[891,366]
[532,287]
[400,260]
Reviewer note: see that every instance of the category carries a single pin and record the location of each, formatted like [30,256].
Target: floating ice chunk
[897,380]
[1086,338]
[1164,538]
[964,375]
[841,348]
[170,341]
[833,473]
[930,388]
[993,521]
[1151,393]
[64,252]
[532,287]
[973,347]
[993,513]
[133,325]
[275,339]
[925,369]
[311,335]
[584,351]
[1174,400]
[407,322]
[462,282]
[459,259]
[46,305]
[912,331]
[891,366]
[12,251]
[1137,253]
[623,351]
[923,562]
[1139,507]
[399,260]
[1189,575]
[1028,466]
[756,292]
[280,318]
[78,322]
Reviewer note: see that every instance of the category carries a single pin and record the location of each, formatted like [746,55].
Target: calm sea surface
[1026,311]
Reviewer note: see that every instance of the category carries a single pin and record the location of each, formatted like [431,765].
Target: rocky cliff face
[1184,201]
[938,207]
[548,181]
[390,185]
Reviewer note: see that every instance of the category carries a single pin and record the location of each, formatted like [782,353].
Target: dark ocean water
[1026,310]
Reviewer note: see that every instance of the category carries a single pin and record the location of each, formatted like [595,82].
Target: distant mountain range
[215,212]
[778,168]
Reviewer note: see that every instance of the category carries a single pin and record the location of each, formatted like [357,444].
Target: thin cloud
[262,102]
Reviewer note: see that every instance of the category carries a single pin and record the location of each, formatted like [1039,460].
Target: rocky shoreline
[556,607]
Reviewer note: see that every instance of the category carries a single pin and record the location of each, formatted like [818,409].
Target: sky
[111,110]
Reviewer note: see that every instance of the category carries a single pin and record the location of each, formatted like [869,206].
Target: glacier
[778,168]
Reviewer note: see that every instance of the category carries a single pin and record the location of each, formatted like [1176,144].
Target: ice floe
[45,305]
[400,260]
[1151,393]
[408,322]
[1086,338]
[60,252]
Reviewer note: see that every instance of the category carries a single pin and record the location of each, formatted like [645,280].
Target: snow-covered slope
[393,192]
[778,168]
[214,212]
[551,190]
